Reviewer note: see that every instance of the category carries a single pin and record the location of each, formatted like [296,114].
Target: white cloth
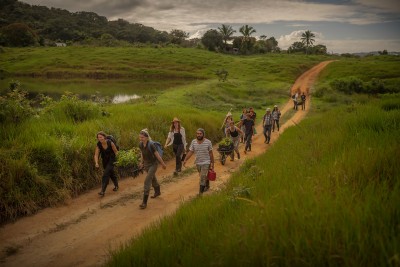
[171,138]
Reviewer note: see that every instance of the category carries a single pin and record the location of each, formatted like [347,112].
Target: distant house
[61,44]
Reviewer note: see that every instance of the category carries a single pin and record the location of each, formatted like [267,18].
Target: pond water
[124,98]
[118,90]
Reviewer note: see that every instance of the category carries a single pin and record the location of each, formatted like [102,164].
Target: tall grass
[57,144]
[326,194]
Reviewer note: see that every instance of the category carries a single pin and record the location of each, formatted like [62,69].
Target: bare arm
[240,131]
[188,155]
[160,159]
[114,148]
[211,159]
[96,156]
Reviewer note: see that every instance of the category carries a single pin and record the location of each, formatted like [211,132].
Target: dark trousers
[303,105]
[178,150]
[267,132]
[247,139]
[107,174]
[277,125]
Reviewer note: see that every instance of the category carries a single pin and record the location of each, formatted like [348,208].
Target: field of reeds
[47,145]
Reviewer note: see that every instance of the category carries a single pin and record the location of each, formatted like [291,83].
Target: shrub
[15,107]
[78,110]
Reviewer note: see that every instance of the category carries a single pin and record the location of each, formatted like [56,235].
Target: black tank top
[106,154]
[234,133]
[177,139]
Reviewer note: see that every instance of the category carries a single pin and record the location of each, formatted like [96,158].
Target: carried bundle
[128,162]
[225,144]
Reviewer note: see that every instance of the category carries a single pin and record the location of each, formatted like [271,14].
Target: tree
[227,32]
[297,47]
[246,31]
[19,34]
[272,44]
[319,49]
[212,39]
[178,36]
[307,38]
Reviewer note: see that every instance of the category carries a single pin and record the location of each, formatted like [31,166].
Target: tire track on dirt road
[81,232]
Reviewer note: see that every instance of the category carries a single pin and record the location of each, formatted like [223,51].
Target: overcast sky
[342,25]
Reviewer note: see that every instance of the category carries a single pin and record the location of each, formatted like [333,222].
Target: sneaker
[116,189]
[143,206]
[101,193]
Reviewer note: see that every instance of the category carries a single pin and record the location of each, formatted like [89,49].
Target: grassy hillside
[47,153]
[325,194]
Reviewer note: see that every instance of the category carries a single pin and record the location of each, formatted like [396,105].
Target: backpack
[112,139]
[158,147]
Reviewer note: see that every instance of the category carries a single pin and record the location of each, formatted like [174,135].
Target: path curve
[82,232]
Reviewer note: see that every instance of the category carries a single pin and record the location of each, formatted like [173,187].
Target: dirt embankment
[81,232]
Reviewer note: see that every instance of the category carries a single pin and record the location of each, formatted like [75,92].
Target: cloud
[285,41]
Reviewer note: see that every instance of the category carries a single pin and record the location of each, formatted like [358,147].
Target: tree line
[22,25]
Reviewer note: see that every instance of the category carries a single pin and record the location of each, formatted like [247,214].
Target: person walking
[108,152]
[267,123]
[303,101]
[202,148]
[234,134]
[295,100]
[253,116]
[242,117]
[248,124]
[227,120]
[276,115]
[149,161]
[177,138]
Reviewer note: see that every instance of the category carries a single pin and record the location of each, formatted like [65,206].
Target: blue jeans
[247,139]
[267,132]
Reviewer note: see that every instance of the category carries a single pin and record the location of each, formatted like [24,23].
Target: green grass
[326,194]
[48,158]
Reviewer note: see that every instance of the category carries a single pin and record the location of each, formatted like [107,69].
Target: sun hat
[268,109]
[275,106]
[176,119]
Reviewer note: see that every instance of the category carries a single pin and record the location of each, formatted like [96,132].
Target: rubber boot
[144,204]
[201,190]
[157,192]
[207,186]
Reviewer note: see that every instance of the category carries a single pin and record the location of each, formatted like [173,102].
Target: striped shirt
[202,151]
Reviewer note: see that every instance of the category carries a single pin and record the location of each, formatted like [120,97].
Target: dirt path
[81,232]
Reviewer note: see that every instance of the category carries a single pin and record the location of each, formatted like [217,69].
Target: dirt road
[82,232]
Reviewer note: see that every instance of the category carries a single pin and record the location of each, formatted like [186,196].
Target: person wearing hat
[177,138]
[227,121]
[276,115]
[149,162]
[202,147]
[267,123]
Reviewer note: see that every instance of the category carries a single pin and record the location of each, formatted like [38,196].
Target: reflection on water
[124,98]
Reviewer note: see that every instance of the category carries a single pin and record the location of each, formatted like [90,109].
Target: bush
[78,110]
[15,107]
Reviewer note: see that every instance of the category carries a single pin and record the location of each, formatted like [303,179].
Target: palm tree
[227,32]
[247,31]
[307,39]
